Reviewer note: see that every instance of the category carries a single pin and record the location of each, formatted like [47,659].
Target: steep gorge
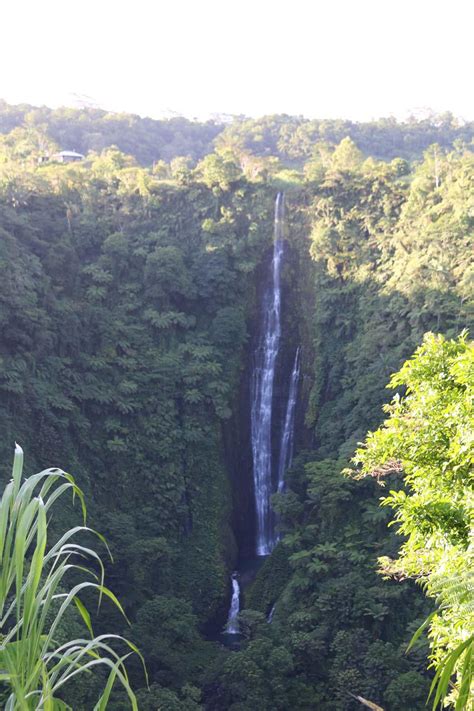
[130,321]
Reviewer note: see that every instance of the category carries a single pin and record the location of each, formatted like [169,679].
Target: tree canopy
[131,284]
[429,438]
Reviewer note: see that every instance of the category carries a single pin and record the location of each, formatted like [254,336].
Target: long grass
[35,595]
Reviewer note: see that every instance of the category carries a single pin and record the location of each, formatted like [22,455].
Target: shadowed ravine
[269,467]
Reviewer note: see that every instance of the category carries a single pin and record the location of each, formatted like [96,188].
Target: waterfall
[232,626]
[270,616]
[262,392]
[286,445]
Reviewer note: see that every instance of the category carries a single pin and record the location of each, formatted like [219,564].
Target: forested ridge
[290,139]
[129,292]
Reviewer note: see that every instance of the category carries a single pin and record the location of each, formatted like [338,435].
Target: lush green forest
[293,140]
[130,287]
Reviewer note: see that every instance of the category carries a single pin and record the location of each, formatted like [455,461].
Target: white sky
[357,59]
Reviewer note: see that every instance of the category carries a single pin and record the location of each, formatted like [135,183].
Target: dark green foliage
[166,630]
[128,301]
[344,628]
[386,272]
[158,697]
[270,582]
[123,338]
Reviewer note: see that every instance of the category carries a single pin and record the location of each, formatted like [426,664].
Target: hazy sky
[321,58]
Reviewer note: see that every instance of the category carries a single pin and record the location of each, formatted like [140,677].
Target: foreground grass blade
[35,596]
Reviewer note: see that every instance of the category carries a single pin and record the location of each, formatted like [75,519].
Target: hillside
[131,297]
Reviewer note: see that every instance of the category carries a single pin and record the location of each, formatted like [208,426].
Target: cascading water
[232,626]
[262,392]
[267,477]
[286,446]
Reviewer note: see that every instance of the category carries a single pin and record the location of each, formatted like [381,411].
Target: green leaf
[84,614]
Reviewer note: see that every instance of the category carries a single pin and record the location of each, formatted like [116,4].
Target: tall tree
[428,439]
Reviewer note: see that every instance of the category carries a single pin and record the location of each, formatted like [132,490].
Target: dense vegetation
[429,437]
[128,300]
[36,596]
[29,129]
[292,140]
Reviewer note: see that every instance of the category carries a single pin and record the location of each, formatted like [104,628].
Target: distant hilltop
[291,139]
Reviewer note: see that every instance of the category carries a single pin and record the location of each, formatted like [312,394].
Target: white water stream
[232,626]
[287,438]
[262,392]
